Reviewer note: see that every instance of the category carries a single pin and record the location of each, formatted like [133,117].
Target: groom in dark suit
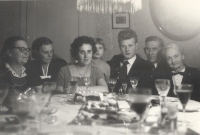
[128,64]
[180,73]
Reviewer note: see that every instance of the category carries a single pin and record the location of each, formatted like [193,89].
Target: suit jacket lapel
[134,69]
[187,76]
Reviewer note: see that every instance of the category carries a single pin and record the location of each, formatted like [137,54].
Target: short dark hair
[37,43]
[155,38]
[127,34]
[78,42]
[8,45]
[99,41]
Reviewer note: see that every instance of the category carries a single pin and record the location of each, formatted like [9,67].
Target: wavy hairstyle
[127,34]
[78,42]
[37,43]
[7,46]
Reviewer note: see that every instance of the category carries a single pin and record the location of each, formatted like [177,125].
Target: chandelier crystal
[109,6]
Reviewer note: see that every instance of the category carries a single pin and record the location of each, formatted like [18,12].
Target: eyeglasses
[23,49]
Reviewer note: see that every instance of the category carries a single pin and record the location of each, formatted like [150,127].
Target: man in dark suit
[180,73]
[153,50]
[128,64]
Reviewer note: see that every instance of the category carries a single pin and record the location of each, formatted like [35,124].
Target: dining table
[67,112]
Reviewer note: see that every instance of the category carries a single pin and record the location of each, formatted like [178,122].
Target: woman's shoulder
[59,62]
[3,70]
[32,64]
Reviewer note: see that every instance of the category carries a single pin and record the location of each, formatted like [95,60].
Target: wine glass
[42,98]
[112,82]
[183,92]
[134,82]
[73,84]
[4,87]
[124,86]
[49,87]
[23,107]
[139,100]
[162,86]
[87,82]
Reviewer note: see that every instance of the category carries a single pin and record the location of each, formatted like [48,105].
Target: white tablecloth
[67,112]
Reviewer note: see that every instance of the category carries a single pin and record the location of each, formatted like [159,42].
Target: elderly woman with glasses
[44,68]
[14,55]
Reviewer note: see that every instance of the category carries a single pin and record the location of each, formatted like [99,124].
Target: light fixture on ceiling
[109,6]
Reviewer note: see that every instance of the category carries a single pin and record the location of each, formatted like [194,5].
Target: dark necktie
[180,73]
[123,71]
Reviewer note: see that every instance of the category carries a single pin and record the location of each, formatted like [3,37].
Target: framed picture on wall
[120,20]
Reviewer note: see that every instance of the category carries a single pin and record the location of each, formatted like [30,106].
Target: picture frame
[120,20]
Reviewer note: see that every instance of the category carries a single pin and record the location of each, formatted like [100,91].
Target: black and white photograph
[99,67]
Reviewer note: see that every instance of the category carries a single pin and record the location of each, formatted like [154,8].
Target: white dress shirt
[177,79]
[130,61]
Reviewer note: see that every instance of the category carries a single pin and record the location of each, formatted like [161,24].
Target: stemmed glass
[87,82]
[49,87]
[112,82]
[134,82]
[124,86]
[183,92]
[139,101]
[73,82]
[162,86]
[71,89]
[23,107]
[42,98]
[3,92]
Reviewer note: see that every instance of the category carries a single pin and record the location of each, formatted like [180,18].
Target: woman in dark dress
[43,68]
[14,54]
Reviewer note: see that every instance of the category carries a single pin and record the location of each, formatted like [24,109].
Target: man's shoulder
[141,62]
[191,70]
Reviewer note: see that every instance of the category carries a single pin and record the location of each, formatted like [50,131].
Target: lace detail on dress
[13,72]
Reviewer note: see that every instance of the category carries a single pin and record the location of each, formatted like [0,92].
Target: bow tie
[44,77]
[180,73]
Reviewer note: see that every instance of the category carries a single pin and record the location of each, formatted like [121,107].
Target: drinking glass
[42,98]
[112,82]
[124,86]
[23,107]
[162,86]
[49,87]
[87,82]
[3,92]
[134,82]
[73,83]
[139,100]
[183,92]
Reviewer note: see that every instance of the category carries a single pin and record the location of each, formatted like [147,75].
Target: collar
[23,74]
[183,70]
[155,65]
[131,61]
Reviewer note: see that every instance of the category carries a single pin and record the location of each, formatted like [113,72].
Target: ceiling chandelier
[109,6]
